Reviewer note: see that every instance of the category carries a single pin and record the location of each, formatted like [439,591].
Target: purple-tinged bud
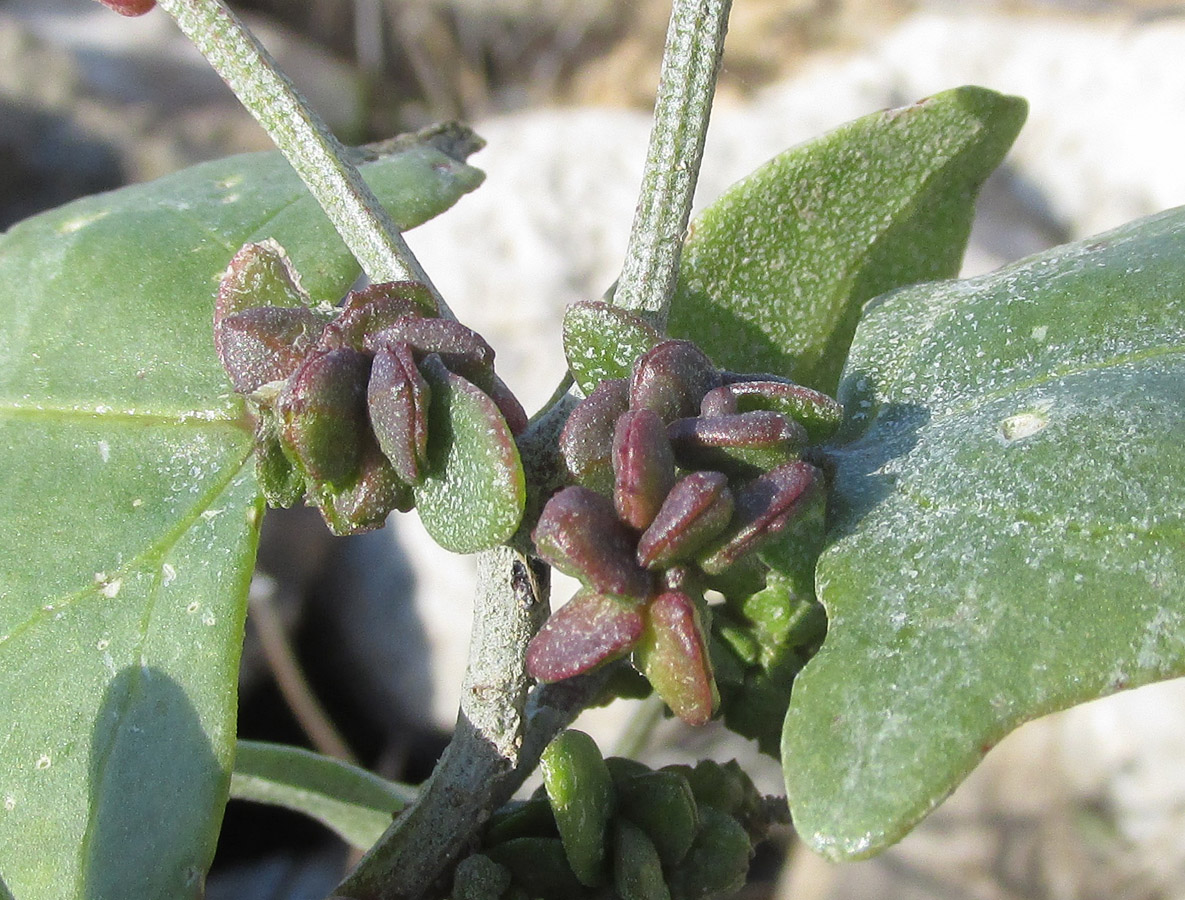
[322,416]
[365,505]
[512,411]
[673,655]
[255,346]
[816,412]
[586,443]
[579,533]
[397,398]
[671,378]
[372,309]
[698,508]
[643,466]
[265,344]
[589,630]
[741,443]
[258,275]
[763,508]
[461,349]
[129,7]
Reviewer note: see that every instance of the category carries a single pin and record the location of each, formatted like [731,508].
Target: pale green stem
[687,84]
[317,156]
[471,778]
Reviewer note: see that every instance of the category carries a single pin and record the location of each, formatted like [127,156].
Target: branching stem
[497,743]
[305,140]
[687,84]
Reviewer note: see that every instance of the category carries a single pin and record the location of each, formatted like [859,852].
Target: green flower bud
[539,866]
[582,800]
[717,864]
[530,818]
[673,655]
[622,769]
[724,786]
[637,868]
[662,805]
[322,416]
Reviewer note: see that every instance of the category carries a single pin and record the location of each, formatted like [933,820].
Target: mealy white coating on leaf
[1008,532]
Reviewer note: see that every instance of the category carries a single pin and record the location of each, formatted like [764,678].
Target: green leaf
[130,514]
[475,491]
[775,272]
[356,804]
[603,342]
[1007,531]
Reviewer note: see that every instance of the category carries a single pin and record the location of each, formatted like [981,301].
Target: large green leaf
[1007,534]
[774,273]
[130,518]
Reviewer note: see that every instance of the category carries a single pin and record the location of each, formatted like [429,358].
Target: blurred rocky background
[356,645]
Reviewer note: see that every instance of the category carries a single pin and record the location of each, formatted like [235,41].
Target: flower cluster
[342,394]
[602,827]
[681,471]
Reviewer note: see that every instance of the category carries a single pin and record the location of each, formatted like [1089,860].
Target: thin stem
[691,60]
[486,750]
[300,134]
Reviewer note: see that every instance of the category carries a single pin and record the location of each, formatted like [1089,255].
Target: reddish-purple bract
[579,533]
[697,509]
[643,466]
[590,630]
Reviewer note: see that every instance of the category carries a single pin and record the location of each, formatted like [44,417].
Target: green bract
[601,342]
[130,513]
[1007,536]
[473,495]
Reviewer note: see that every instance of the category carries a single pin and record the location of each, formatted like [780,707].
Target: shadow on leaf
[860,472]
[152,770]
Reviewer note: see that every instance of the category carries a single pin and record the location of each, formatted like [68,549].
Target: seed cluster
[614,827]
[681,471]
[343,394]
